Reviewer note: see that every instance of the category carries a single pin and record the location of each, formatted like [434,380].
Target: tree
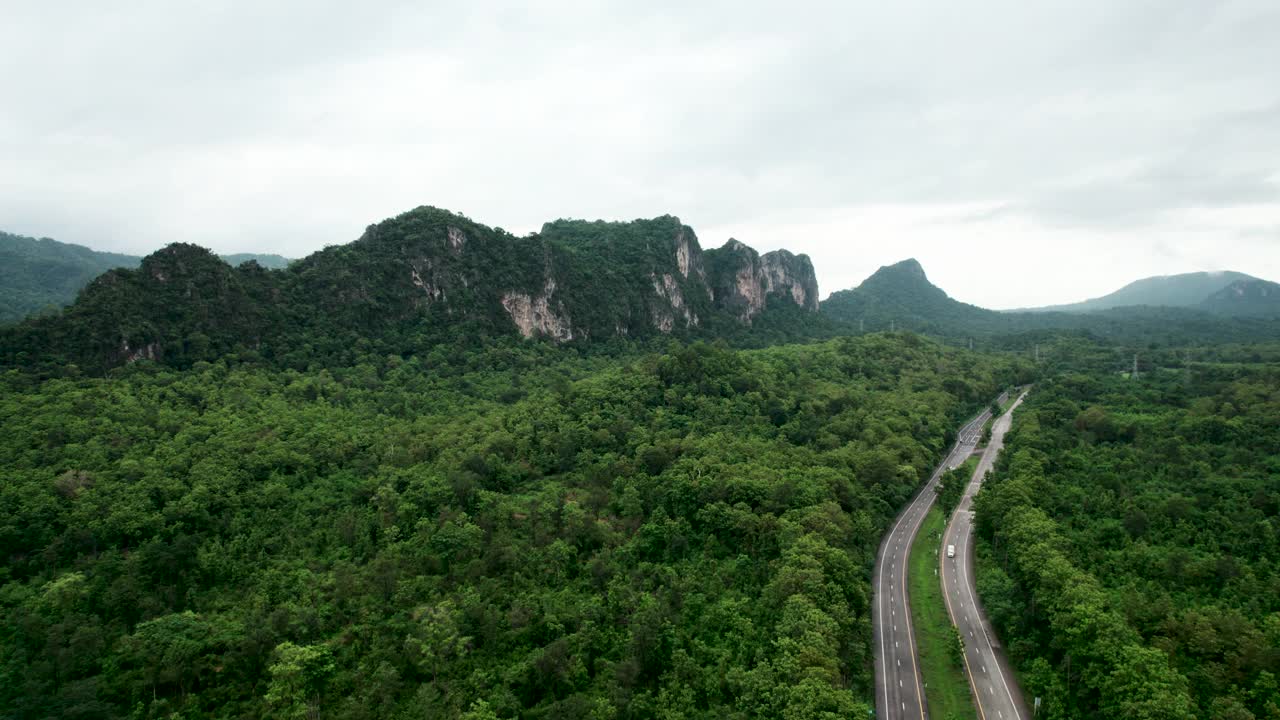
[298,677]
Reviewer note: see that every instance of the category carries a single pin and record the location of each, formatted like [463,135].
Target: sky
[1025,153]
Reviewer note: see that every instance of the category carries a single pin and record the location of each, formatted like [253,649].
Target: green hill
[901,297]
[1245,297]
[43,274]
[1185,290]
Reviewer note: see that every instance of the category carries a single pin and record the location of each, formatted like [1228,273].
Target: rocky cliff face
[793,275]
[742,280]
[422,277]
[539,315]
[580,280]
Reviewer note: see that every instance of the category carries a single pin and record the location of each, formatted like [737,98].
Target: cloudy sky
[1026,154]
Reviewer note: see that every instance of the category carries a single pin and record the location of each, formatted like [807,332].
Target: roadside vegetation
[941,667]
[952,484]
[1133,526]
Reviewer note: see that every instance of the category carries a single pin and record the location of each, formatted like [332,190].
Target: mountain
[1245,297]
[415,280]
[1185,290]
[270,262]
[742,280]
[900,296]
[40,274]
[44,274]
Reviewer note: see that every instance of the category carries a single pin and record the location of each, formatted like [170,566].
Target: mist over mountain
[1249,296]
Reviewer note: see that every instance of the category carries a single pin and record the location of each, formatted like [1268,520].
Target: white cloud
[1024,153]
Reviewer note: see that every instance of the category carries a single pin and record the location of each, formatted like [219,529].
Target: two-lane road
[899,690]
[995,689]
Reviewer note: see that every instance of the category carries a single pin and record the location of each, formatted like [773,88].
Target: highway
[899,689]
[995,689]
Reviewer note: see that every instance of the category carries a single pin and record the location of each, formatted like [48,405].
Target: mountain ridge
[1252,296]
[900,296]
[414,280]
[43,274]
[1178,290]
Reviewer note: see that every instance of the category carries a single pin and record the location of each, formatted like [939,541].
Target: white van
[951,551]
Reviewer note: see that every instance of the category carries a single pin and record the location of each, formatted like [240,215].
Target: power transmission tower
[862,325]
[893,326]
[1037,353]
[1135,366]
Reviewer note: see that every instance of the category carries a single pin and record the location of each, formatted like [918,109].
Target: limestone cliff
[742,280]
[424,277]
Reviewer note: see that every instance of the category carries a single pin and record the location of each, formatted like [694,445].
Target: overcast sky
[1025,154]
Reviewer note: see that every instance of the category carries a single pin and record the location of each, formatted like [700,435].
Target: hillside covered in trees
[42,275]
[514,532]
[420,279]
[900,296]
[1132,534]
[1183,290]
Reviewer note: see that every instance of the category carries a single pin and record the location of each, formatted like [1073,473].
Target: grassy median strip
[947,690]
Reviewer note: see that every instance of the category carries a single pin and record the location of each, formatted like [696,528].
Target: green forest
[597,472]
[518,531]
[1131,539]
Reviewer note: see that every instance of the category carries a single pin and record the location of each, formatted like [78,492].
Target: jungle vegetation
[1131,536]
[512,531]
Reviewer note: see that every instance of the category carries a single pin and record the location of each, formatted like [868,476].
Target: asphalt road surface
[995,689]
[899,689]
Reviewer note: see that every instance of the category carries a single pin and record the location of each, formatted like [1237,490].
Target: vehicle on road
[951,551]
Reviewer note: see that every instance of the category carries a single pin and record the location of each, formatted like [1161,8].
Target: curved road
[899,690]
[995,689]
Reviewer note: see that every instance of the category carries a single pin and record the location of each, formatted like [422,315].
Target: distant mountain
[270,262]
[1185,290]
[1245,297]
[43,274]
[901,297]
[416,280]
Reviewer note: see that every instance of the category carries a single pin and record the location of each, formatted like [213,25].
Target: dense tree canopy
[514,532]
[1133,527]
